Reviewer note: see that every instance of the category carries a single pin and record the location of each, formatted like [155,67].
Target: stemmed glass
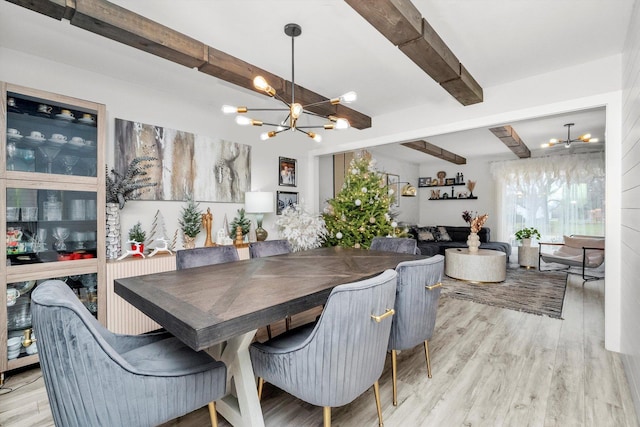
[28,156]
[69,162]
[12,151]
[41,239]
[49,154]
[60,234]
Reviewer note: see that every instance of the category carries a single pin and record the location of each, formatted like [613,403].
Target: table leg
[244,408]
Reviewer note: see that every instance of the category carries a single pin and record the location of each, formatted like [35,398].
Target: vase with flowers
[476,222]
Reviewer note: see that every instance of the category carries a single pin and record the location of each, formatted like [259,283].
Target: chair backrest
[347,348]
[415,305]
[269,248]
[198,257]
[75,351]
[96,378]
[402,245]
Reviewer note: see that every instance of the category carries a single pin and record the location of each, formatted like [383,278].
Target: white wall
[449,212]
[630,291]
[152,106]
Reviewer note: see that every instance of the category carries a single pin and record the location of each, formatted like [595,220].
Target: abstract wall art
[210,169]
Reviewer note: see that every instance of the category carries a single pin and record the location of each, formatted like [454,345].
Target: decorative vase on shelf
[473,241]
[189,242]
[113,231]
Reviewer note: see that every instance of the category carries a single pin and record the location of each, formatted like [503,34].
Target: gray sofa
[433,240]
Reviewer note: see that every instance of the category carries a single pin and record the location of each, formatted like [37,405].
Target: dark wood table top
[204,306]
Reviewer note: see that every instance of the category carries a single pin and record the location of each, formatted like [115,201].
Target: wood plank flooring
[491,367]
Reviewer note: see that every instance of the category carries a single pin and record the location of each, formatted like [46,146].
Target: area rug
[531,291]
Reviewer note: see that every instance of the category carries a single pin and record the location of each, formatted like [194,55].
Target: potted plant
[526,234]
[137,235]
[240,221]
[190,221]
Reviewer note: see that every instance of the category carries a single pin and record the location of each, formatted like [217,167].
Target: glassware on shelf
[69,162]
[12,152]
[52,208]
[79,238]
[28,156]
[49,153]
[60,234]
[41,240]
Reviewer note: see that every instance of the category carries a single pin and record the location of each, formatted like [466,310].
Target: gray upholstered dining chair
[96,378]
[417,296]
[198,257]
[332,362]
[269,248]
[404,245]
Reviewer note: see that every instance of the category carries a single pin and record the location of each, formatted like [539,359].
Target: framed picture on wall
[393,183]
[287,169]
[284,199]
[424,182]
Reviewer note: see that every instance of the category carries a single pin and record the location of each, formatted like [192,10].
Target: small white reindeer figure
[162,247]
[137,250]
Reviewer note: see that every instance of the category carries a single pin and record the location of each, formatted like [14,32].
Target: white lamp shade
[258,202]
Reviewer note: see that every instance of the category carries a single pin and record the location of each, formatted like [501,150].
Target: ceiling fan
[567,142]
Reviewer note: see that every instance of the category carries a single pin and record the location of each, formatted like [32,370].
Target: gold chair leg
[426,353]
[269,331]
[376,393]
[326,416]
[260,385]
[213,414]
[394,376]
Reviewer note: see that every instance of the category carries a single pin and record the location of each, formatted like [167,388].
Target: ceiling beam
[511,139]
[435,151]
[116,23]
[402,23]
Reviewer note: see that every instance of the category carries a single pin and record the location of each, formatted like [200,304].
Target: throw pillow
[426,236]
[443,236]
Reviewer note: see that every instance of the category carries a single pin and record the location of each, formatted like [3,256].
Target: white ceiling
[498,41]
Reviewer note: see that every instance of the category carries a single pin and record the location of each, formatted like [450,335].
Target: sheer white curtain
[559,195]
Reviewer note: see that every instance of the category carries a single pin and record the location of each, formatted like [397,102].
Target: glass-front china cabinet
[52,192]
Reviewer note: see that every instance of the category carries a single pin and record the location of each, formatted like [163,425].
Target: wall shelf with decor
[433,186]
[457,198]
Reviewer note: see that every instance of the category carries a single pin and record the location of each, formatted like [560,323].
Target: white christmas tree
[158,229]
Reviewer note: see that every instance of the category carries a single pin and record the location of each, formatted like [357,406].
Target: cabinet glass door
[50,225]
[46,137]
[21,341]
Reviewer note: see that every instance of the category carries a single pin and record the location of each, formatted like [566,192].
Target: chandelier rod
[293,68]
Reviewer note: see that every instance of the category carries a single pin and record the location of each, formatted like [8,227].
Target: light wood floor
[491,367]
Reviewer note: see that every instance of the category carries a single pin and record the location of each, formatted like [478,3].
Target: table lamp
[259,203]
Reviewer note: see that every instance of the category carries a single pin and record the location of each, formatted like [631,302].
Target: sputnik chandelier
[293,109]
[567,142]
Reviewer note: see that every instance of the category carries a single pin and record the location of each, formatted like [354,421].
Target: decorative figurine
[207,221]
[136,250]
[164,247]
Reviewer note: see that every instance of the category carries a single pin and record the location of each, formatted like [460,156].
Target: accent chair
[198,257]
[417,296]
[332,362]
[96,378]
[269,248]
[404,245]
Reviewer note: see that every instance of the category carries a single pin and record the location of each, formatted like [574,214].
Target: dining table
[219,308]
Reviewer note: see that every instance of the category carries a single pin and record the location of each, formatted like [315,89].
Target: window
[559,196]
